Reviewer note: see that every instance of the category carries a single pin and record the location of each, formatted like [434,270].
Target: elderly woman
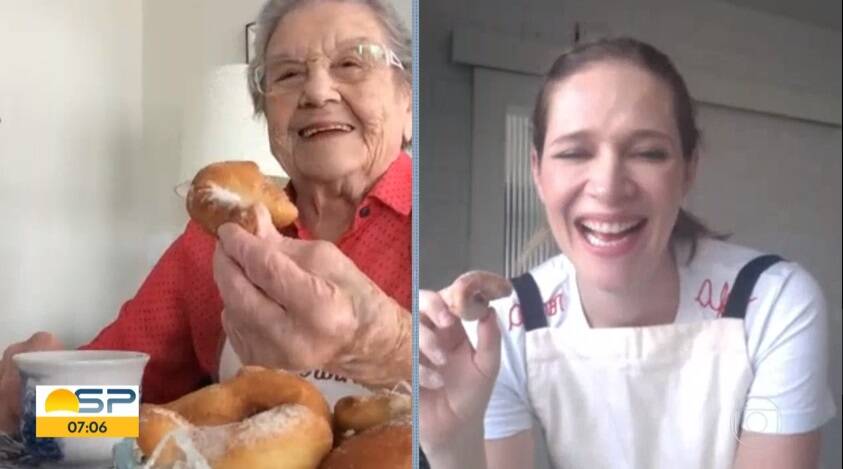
[330,298]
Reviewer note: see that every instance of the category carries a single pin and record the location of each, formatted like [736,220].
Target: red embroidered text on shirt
[556,304]
[705,297]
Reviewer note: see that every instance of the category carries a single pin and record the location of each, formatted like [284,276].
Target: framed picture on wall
[251,32]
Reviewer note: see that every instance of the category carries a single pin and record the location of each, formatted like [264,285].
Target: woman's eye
[572,154]
[287,75]
[656,154]
[347,63]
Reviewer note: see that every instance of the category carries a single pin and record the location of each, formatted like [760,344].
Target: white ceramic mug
[73,368]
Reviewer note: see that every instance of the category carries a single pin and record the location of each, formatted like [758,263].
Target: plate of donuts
[264,418]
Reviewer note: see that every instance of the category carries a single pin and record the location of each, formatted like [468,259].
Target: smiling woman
[337,100]
[341,87]
[330,296]
[608,346]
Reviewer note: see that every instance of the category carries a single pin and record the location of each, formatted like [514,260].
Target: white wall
[70,104]
[182,40]
[92,95]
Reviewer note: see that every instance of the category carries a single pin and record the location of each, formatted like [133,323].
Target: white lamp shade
[219,125]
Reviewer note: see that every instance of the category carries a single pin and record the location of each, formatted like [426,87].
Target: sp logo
[86,411]
[90,400]
[94,400]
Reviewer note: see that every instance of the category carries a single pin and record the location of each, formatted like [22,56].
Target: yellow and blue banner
[86,411]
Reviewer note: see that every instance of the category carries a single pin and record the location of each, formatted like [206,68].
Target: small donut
[385,446]
[358,413]
[261,418]
[228,192]
[469,296]
[374,432]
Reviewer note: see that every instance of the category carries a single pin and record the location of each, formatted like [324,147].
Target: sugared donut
[385,446]
[375,432]
[259,419]
[358,413]
[469,296]
[228,192]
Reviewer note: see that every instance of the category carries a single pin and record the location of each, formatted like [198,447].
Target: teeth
[595,241]
[309,132]
[609,228]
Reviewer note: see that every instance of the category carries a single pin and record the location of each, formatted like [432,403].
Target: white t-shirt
[786,330]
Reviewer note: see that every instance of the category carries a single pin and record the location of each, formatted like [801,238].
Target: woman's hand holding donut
[300,305]
[456,379]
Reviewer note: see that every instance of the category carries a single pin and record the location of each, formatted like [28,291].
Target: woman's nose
[319,88]
[608,179]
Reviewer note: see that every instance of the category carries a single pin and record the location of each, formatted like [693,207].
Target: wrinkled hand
[456,379]
[10,385]
[300,305]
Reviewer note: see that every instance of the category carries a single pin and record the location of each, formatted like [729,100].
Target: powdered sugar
[212,442]
[204,445]
[398,403]
[166,413]
[182,437]
[223,196]
[273,422]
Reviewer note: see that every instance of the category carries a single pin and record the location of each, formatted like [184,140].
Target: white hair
[398,37]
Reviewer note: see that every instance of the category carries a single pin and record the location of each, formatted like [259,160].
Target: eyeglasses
[348,64]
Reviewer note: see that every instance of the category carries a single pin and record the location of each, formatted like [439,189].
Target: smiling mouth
[602,234]
[320,130]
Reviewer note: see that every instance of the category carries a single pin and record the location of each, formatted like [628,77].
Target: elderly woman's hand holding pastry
[338,106]
[299,305]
